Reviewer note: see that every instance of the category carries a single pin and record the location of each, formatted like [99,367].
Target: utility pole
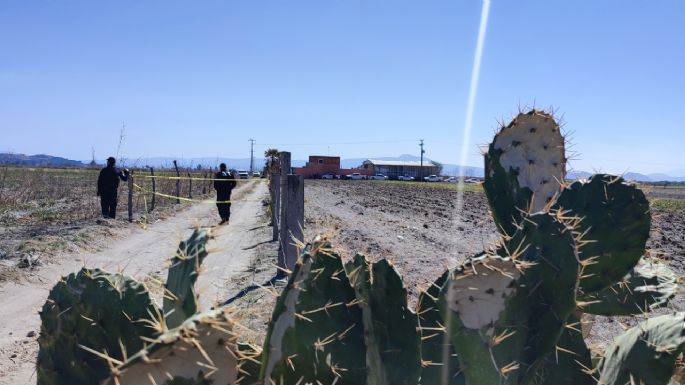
[251,155]
[421,169]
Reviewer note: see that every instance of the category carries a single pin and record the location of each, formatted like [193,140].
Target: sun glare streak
[468,125]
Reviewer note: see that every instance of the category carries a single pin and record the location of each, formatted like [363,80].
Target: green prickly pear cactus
[565,250]
[316,332]
[93,320]
[525,167]
[393,345]
[344,325]
[202,350]
[512,306]
[439,362]
[645,354]
[92,311]
[614,219]
[180,298]
[650,285]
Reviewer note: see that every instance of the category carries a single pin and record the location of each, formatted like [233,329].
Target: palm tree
[271,156]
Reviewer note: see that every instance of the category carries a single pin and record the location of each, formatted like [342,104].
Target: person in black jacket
[224,184]
[108,183]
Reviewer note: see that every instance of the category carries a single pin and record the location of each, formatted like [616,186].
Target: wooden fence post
[130,198]
[294,223]
[283,239]
[178,183]
[274,187]
[154,190]
[204,186]
[190,186]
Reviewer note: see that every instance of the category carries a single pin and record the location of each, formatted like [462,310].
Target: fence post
[154,190]
[274,188]
[178,183]
[190,186]
[294,223]
[283,239]
[204,186]
[130,198]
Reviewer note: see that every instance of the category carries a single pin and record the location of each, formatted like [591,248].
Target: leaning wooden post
[154,190]
[284,160]
[130,197]
[294,223]
[178,183]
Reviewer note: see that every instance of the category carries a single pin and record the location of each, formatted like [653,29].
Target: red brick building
[319,165]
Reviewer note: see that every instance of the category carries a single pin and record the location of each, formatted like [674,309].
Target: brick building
[319,165]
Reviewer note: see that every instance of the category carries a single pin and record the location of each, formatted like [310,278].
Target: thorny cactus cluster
[509,315]
[512,314]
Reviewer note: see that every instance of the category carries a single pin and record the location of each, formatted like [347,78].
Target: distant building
[394,168]
[319,165]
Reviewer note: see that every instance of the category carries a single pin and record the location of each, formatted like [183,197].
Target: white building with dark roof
[394,168]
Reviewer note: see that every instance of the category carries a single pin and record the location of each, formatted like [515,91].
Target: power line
[336,143]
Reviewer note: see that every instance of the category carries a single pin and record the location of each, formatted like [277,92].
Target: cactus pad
[650,285]
[200,351]
[316,333]
[571,363]
[91,311]
[180,299]
[435,343]
[524,168]
[615,223]
[393,344]
[645,354]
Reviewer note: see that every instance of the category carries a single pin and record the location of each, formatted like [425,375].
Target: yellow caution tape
[189,199]
[188,178]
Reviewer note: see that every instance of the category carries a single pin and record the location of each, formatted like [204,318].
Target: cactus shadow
[272,282]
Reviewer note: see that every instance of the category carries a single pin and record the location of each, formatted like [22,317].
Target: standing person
[224,184]
[108,183]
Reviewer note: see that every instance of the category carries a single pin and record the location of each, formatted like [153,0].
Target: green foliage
[669,204]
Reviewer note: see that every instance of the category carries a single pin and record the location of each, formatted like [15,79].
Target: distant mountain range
[38,160]
[244,163]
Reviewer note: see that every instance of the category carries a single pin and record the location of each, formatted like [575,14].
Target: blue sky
[351,78]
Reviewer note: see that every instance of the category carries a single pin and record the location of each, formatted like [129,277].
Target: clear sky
[351,78]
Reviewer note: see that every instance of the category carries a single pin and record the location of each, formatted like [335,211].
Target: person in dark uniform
[108,183]
[223,184]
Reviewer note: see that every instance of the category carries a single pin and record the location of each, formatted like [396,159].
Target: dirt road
[142,254]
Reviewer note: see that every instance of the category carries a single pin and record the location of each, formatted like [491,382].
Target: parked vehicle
[378,177]
[256,174]
[432,178]
[405,177]
[328,176]
[243,174]
[452,179]
[356,176]
[471,180]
